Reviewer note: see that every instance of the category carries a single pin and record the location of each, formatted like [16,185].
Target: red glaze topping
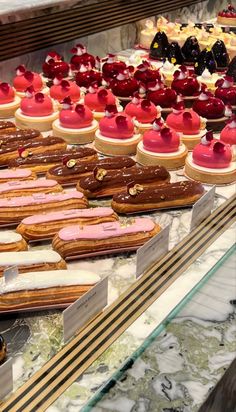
[228,134]
[55,66]
[162,140]
[184,121]
[7,94]
[98,98]
[161,95]
[184,84]
[112,67]
[145,73]
[124,85]
[226,91]
[75,117]
[208,106]
[25,79]
[63,88]
[85,77]
[36,105]
[212,153]
[116,126]
[143,110]
[81,57]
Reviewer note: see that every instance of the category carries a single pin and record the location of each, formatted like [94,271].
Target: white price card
[152,251]
[10,273]
[202,208]
[6,378]
[84,309]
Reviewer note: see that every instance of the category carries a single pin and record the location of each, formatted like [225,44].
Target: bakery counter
[34,338]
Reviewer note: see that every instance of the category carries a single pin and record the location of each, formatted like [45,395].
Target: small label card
[6,378]
[10,273]
[152,251]
[202,208]
[84,309]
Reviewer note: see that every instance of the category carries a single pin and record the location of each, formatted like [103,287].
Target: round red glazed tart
[212,109]
[145,73]
[81,57]
[185,85]
[228,135]
[211,162]
[161,96]
[55,66]
[161,146]
[9,101]
[116,134]
[87,76]
[63,88]
[112,67]
[36,111]
[98,98]
[124,85]
[227,17]
[75,124]
[25,78]
[226,91]
[187,123]
[143,111]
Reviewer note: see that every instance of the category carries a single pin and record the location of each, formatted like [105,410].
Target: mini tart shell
[226,21]
[191,141]
[147,158]
[114,147]
[19,246]
[210,176]
[43,123]
[8,110]
[75,136]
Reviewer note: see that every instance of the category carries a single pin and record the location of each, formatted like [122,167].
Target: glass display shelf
[185,356]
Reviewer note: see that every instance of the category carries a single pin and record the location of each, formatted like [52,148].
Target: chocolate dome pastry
[3,350]
[221,55]
[191,50]
[205,60]
[159,46]
[174,53]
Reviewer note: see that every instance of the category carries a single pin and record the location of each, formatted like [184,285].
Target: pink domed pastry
[184,84]
[25,79]
[182,120]
[161,95]
[98,98]
[142,110]
[209,106]
[63,88]
[36,104]
[55,66]
[81,57]
[226,91]
[7,94]
[85,77]
[145,73]
[75,117]
[116,125]
[161,140]
[228,134]
[212,153]
[124,85]
[112,67]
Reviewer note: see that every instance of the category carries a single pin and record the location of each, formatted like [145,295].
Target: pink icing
[99,99]
[206,155]
[105,230]
[118,126]
[14,173]
[185,121]
[22,81]
[161,141]
[228,134]
[68,214]
[65,89]
[27,184]
[38,105]
[39,198]
[144,111]
[77,117]
[7,94]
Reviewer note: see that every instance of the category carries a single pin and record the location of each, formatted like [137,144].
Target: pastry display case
[117,192]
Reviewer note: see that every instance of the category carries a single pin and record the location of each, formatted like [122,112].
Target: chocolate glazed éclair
[11,137]
[112,182]
[138,198]
[72,172]
[6,126]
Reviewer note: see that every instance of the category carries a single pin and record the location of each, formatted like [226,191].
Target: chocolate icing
[6,125]
[53,157]
[47,141]
[82,168]
[147,174]
[167,192]
[18,135]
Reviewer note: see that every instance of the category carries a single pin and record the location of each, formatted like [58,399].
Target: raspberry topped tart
[211,162]
[54,65]
[9,101]
[25,78]
[76,124]
[81,56]
[98,98]
[226,91]
[161,96]
[116,134]
[187,123]
[161,146]
[64,88]
[36,110]
[228,135]
[143,111]
[227,17]
[186,85]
